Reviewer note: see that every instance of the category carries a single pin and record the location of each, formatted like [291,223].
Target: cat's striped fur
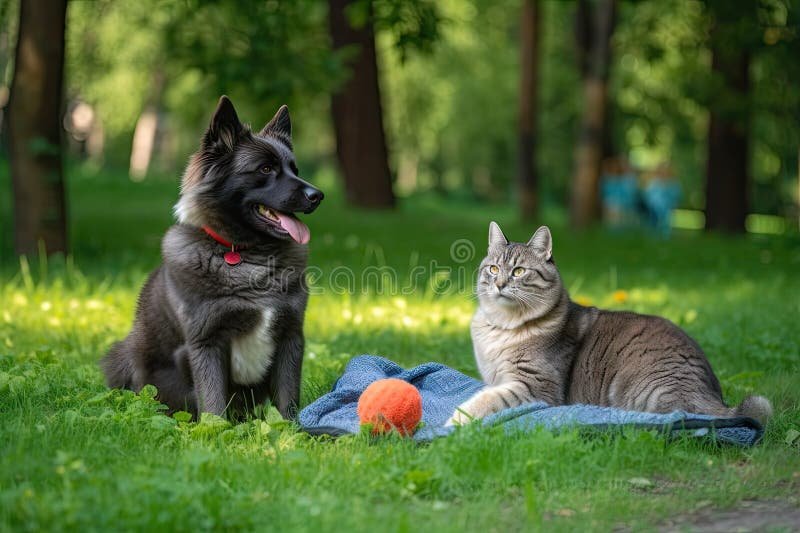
[532,342]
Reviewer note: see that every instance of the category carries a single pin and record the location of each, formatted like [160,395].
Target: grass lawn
[76,456]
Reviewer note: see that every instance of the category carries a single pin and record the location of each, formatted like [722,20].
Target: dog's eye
[517,272]
[266,169]
[494,269]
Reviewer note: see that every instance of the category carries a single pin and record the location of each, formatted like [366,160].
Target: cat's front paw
[481,405]
[459,418]
[468,411]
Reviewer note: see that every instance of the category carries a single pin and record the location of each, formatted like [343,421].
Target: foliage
[262,54]
[113,50]
[412,24]
[450,80]
[661,70]
[664,88]
[451,114]
[74,455]
[776,125]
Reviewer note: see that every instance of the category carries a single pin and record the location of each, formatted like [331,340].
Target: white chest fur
[252,354]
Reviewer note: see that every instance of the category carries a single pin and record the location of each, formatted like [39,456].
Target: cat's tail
[756,407]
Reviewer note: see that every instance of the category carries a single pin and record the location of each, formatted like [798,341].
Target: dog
[219,324]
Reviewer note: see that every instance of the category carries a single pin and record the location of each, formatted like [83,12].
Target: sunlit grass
[754,223]
[74,455]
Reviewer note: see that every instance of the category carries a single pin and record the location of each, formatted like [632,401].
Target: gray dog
[219,325]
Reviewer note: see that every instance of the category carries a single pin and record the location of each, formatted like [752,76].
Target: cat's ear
[496,237]
[542,242]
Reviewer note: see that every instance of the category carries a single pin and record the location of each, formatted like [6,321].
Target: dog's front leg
[284,379]
[209,373]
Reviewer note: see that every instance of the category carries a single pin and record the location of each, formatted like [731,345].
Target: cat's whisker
[527,299]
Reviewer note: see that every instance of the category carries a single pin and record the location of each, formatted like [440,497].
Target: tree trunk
[527,177]
[146,130]
[585,201]
[357,115]
[6,49]
[727,170]
[35,128]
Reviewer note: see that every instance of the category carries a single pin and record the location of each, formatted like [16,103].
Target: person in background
[619,192]
[661,192]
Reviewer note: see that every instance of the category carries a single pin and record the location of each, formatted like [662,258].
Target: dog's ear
[225,129]
[542,242]
[280,126]
[496,237]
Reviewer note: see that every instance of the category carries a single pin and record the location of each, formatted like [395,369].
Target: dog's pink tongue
[296,229]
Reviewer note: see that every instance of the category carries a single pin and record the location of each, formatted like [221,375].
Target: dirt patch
[748,515]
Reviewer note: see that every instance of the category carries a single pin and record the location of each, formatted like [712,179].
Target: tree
[357,114]
[147,128]
[527,177]
[35,128]
[8,20]
[595,25]
[728,164]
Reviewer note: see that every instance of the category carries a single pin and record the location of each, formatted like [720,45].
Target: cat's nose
[500,285]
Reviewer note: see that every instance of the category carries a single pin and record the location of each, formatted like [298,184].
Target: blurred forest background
[530,104]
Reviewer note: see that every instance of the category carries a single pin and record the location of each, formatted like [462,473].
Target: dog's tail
[118,368]
[756,407]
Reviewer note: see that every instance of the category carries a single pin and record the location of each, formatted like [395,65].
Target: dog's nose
[313,195]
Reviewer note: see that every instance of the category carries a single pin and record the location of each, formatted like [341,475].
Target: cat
[532,342]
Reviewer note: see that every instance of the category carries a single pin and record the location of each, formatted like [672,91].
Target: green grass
[76,456]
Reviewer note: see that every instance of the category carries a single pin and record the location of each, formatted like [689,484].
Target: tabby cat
[532,342]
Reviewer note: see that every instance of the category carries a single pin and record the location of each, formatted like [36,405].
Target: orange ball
[390,404]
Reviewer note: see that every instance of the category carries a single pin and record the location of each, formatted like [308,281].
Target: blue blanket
[443,389]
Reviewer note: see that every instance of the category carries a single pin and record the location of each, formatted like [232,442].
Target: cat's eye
[517,272]
[494,269]
[266,169]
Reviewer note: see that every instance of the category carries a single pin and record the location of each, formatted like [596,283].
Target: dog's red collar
[232,257]
[220,239]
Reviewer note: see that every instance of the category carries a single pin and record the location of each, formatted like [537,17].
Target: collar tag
[232,258]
